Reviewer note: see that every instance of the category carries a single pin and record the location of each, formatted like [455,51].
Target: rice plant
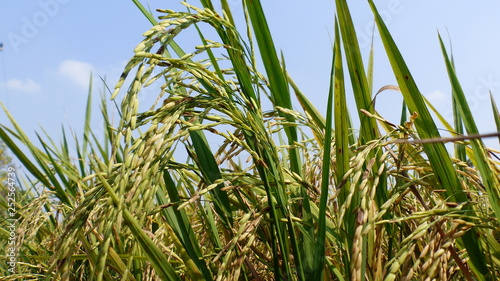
[222,177]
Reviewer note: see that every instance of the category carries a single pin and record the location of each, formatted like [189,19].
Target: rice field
[208,183]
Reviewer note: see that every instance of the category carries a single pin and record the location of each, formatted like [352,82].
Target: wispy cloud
[25,86]
[77,71]
[436,97]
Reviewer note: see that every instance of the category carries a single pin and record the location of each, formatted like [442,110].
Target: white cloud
[436,97]
[25,86]
[77,71]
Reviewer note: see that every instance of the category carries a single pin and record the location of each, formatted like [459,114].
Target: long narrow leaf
[325,170]
[490,180]
[496,114]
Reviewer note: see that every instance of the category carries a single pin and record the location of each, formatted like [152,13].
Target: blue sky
[51,46]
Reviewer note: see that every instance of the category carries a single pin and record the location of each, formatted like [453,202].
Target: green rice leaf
[179,222]
[496,114]
[359,81]
[481,160]
[325,169]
